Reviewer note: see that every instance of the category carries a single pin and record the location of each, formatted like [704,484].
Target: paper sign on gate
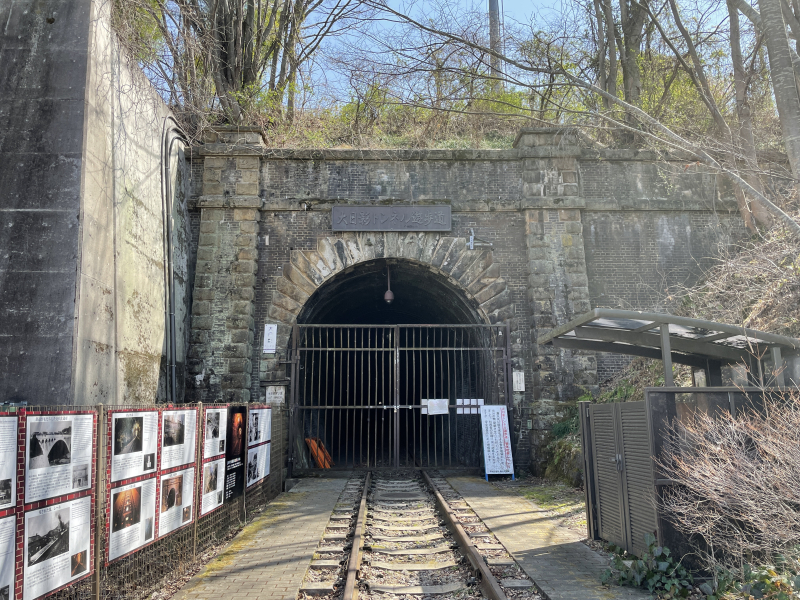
[437,406]
[496,441]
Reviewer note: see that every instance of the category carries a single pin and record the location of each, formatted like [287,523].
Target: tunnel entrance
[394,385]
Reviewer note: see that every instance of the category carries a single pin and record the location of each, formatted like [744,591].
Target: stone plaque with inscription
[391,218]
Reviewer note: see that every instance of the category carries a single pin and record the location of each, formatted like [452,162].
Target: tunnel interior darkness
[363,382]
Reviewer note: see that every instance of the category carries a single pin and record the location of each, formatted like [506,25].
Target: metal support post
[198,474]
[666,356]
[99,504]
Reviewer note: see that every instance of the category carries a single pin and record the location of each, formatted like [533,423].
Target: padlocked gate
[363,391]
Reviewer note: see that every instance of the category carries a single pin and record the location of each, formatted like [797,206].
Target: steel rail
[488,583]
[350,589]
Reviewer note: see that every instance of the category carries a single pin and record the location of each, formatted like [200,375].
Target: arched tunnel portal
[395,384]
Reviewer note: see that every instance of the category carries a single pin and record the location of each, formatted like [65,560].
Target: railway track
[407,535]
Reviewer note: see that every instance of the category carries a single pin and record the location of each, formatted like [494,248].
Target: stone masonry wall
[569,226]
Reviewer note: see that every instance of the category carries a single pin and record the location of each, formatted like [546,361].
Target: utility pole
[494,41]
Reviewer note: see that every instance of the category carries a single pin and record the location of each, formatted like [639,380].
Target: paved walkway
[551,555]
[269,558]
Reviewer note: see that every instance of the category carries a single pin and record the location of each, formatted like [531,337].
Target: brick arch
[473,272]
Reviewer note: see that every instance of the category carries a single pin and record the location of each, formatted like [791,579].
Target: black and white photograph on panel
[55,445]
[259,426]
[213,485]
[8,551]
[176,493]
[178,437]
[216,432]
[128,435]
[135,443]
[133,509]
[56,546]
[8,461]
[257,464]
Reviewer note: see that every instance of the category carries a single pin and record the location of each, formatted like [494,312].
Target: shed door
[607,474]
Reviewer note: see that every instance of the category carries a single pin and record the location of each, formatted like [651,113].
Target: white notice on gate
[496,441]
[437,406]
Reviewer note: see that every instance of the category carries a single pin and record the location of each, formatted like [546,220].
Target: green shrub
[655,570]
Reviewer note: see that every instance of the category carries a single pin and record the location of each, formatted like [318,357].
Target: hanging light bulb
[389,295]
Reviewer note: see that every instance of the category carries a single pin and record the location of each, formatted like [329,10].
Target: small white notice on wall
[519,381]
[275,394]
[270,339]
[496,441]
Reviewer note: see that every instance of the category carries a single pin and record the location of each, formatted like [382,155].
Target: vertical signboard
[215,431]
[235,452]
[259,433]
[134,443]
[176,500]
[496,441]
[57,546]
[59,455]
[8,463]
[8,551]
[133,517]
[178,435]
[213,486]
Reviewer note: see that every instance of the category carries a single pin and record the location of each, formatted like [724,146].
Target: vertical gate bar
[449,418]
[396,388]
[417,459]
[293,398]
[441,379]
[314,372]
[330,440]
[360,394]
[428,391]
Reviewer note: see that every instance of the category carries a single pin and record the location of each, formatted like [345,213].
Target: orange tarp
[320,455]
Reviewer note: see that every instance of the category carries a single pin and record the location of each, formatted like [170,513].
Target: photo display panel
[175,500]
[8,551]
[215,433]
[213,494]
[236,452]
[178,435]
[134,444]
[257,464]
[57,545]
[133,517]
[8,464]
[259,426]
[58,455]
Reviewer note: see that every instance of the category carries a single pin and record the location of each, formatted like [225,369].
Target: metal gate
[619,473]
[362,392]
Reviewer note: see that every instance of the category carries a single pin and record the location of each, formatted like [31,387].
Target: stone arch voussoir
[474,272]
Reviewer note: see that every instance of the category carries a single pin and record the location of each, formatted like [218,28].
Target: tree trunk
[784,85]
[754,209]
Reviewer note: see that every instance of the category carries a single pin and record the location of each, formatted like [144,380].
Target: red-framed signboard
[55,486]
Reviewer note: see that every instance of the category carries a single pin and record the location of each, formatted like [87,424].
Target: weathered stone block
[569,176]
[246,189]
[235,351]
[201,308]
[205,266]
[247,162]
[199,336]
[239,322]
[215,162]
[247,253]
[540,266]
[205,322]
[537,280]
[566,240]
[212,214]
[211,188]
[245,214]
[243,294]
[240,336]
[208,227]
[574,228]
[235,380]
[568,189]
[250,176]
[244,280]
[205,253]
[212,176]
[235,396]
[248,227]
[537,253]
[245,240]
[243,266]
[242,308]
[203,281]
[569,215]
[239,365]
[578,280]
[532,190]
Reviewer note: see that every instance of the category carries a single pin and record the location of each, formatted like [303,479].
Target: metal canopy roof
[689,341]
